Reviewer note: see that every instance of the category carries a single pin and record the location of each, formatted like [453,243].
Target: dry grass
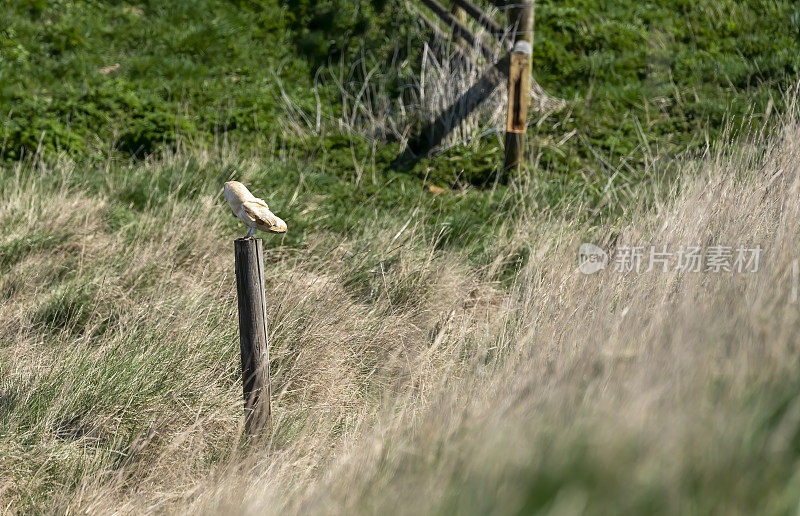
[404,380]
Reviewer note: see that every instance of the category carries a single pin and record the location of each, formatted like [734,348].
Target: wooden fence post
[249,257]
[519,84]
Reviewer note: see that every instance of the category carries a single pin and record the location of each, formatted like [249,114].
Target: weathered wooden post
[249,257]
[519,84]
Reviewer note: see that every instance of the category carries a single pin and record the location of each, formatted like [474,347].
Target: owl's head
[236,193]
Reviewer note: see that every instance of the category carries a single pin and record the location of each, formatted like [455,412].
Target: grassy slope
[641,79]
[190,68]
[399,371]
[116,306]
[651,78]
[97,322]
[188,76]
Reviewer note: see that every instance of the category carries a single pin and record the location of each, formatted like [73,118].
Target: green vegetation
[425,344]
[642,80]
[87,76]
[656,77]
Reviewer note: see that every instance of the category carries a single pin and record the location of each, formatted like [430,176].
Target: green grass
[641,80]
[86,76]
[658,75]
[194,69]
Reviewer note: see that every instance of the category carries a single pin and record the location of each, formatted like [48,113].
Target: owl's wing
[258,210]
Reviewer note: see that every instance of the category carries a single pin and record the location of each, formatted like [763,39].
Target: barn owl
[251,210]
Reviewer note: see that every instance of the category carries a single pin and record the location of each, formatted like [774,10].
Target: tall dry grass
[653,392]
[404,379]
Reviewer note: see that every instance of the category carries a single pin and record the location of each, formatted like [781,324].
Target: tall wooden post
[249,257]
[519,84]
